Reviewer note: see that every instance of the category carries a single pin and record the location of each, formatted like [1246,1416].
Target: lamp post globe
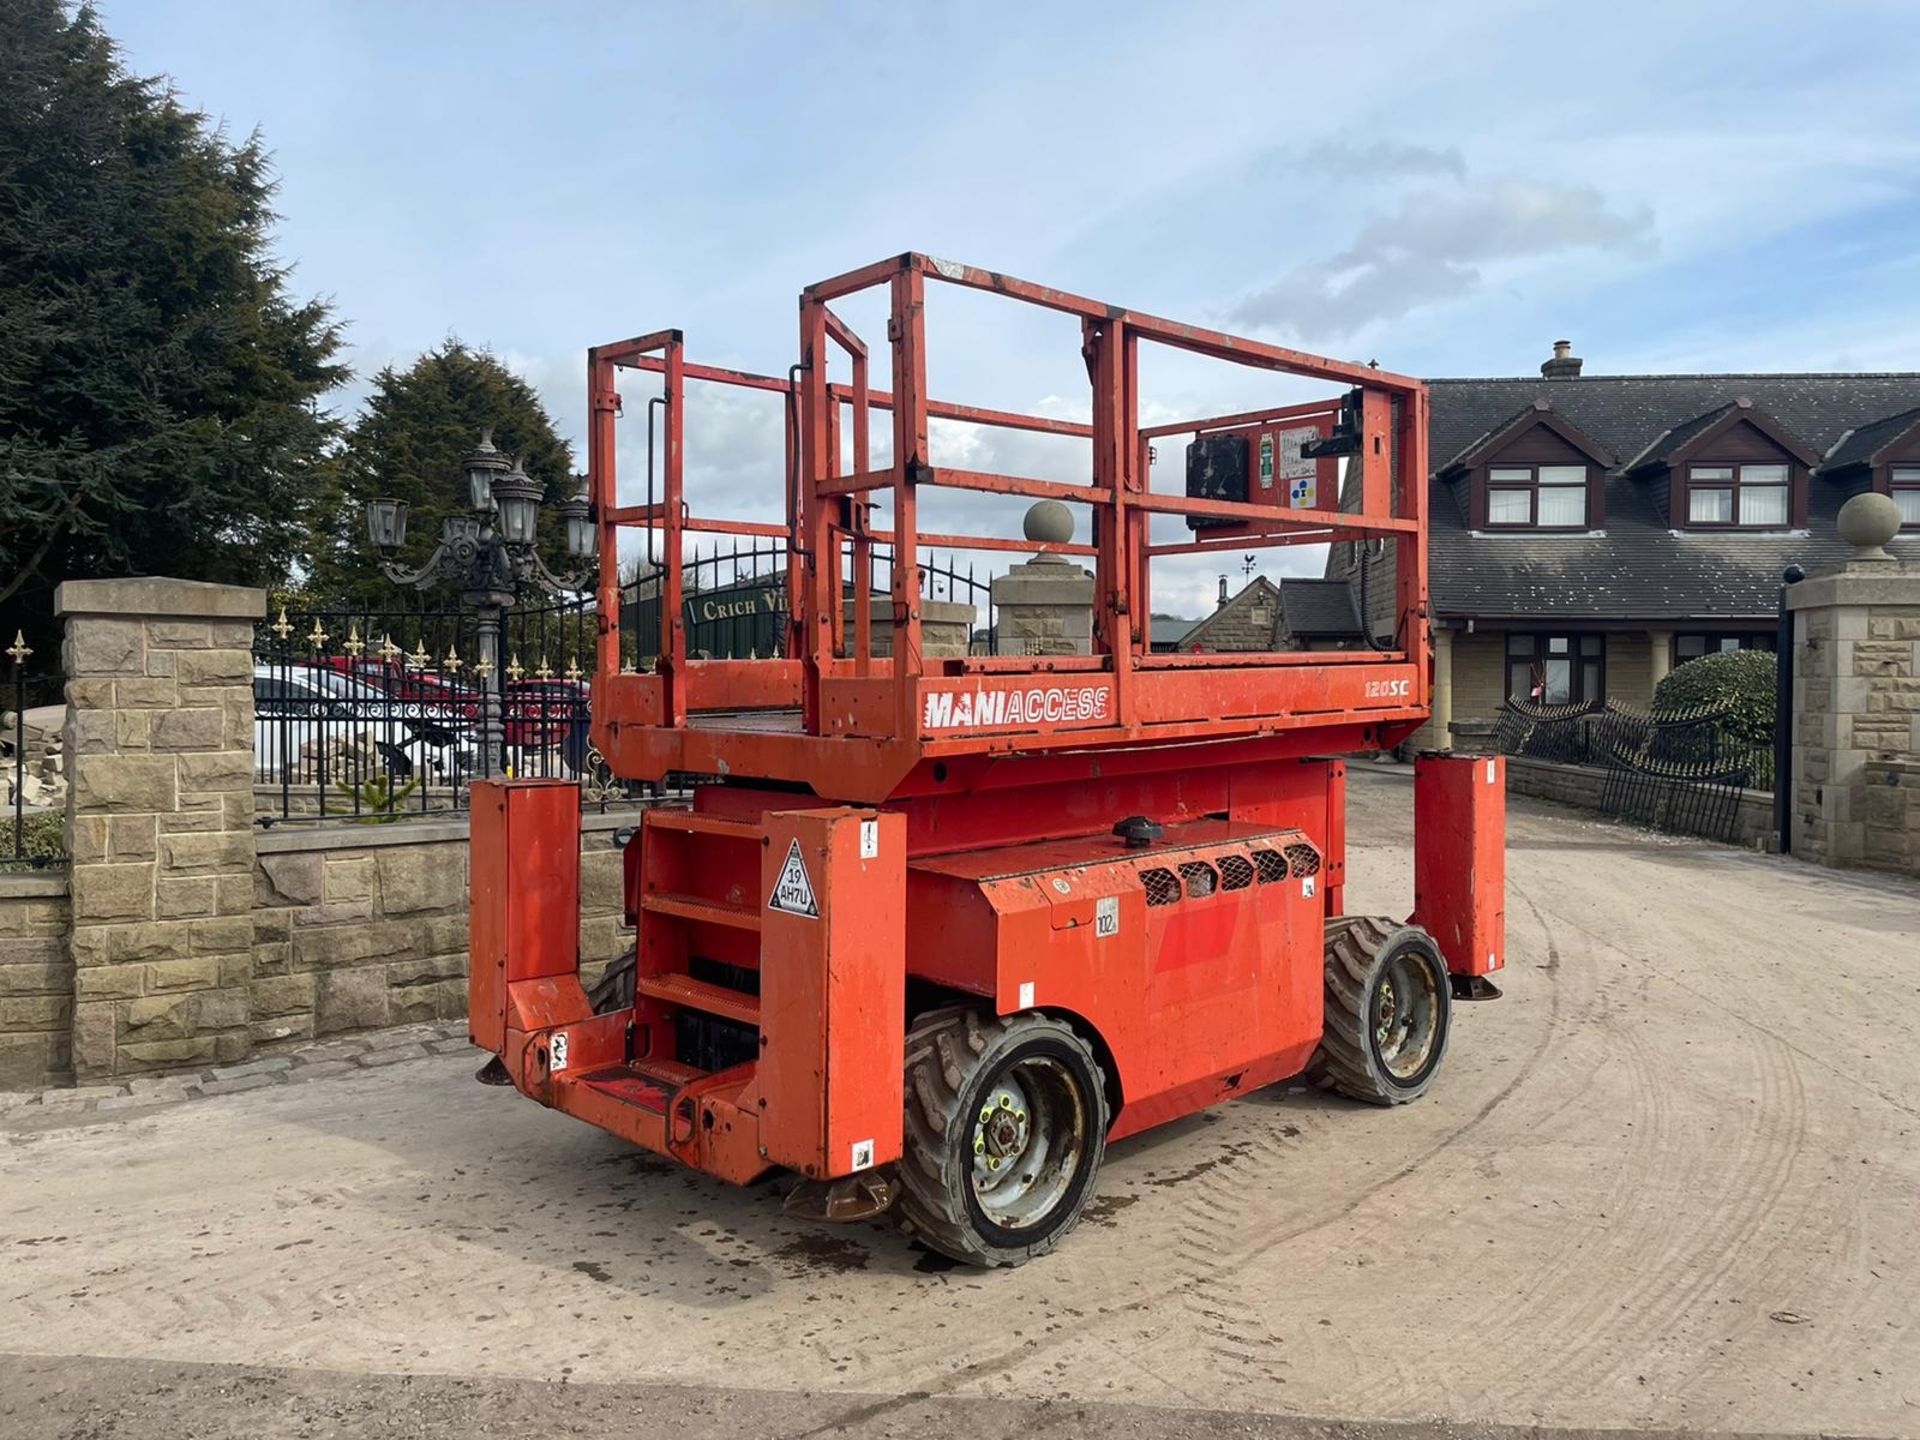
[387,523]
[517,494]
[485,465]
[583,536]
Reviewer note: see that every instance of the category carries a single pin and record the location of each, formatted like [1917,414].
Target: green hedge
[1747,679]
[45,836]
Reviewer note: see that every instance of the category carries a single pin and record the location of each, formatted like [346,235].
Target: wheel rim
[1406,1010]
[1028,1138]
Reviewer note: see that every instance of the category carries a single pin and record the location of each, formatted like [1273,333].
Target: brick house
[1590,532]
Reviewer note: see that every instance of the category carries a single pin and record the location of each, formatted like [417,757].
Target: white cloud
[1435,246]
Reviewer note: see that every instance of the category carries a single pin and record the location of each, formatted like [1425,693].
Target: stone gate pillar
[1856,687]
[160,813]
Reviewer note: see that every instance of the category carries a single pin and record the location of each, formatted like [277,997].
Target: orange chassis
[881,830]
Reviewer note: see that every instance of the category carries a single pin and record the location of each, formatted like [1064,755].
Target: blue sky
[1446,188]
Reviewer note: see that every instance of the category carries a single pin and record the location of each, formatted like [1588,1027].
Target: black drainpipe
[1783,714]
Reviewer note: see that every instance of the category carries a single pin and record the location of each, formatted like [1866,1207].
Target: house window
[1691,646]
[1541,497]
[1556,669]
[1906,494]
[1747,496]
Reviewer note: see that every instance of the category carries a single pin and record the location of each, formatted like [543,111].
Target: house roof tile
[1859,445]
[1639,569]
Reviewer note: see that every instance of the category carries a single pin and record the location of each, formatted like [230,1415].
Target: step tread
[648,1084]
[697,907]
[696,822]
[692,994]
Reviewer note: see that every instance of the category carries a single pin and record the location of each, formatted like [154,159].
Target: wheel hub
[1003,1129]
[1028,1134]
[1405,1006]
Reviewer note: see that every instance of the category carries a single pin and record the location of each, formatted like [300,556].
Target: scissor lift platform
[931,929]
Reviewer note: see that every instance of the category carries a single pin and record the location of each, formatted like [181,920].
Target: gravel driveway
[1671,1182]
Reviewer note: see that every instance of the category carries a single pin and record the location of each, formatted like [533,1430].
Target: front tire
[1006,1126]
[1389,1011]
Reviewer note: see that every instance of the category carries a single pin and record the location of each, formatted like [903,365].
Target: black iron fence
[32,765]
[734,601]
[376,715]
[733,604]
[1679,771]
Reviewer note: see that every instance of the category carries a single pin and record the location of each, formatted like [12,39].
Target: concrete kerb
[327,1059]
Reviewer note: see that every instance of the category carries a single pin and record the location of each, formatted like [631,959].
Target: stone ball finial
[1867,522]
[1050,523]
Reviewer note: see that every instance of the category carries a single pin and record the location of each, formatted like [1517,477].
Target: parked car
[310,723]
[542,714]
[394,679]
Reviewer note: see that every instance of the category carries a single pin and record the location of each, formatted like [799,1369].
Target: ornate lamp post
[490,554]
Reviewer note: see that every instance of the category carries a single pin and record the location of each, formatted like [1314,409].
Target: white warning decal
[557,1048]
[793,891]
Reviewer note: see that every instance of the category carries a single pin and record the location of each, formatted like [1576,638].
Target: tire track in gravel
[1214,1266]
[1534,1313]
[1671,1238]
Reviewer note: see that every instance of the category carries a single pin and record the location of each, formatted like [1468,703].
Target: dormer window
[1534,471]
[1537,497]
[1744,497]
[1905,488]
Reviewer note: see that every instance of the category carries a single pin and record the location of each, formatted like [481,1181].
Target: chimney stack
[1223,593]
[1564,365]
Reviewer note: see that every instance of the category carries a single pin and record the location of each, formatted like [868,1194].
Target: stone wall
[160,820]
[184,935]
[1892,806]
[1856,666]
[1630,678]
[360,926]
[36,980]
[1582,786]
[1479,685]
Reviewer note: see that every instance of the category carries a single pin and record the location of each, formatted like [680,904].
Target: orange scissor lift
[932,931]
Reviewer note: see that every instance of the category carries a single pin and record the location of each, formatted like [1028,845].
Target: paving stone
[450,1047]
[236,1085]
[393,1055]
[79,1094]
[149,1084]
[331,1050]
[152,1097]
[272,1065]
[323,1070]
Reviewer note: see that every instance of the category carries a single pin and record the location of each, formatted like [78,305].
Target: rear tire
[1389,1011]
[615,988]
[1006,1126]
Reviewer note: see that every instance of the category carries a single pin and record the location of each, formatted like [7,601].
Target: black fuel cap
[1138,830]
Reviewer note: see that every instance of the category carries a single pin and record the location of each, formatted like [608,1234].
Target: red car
[540,714]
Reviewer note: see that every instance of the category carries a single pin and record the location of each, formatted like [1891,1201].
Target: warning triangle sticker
[793,891]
